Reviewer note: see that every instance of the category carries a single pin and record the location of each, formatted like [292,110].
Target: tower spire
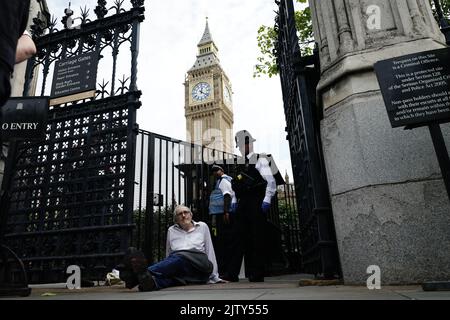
[206,38]
[207,50]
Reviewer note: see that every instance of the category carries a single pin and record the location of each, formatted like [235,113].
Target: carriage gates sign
[74,76]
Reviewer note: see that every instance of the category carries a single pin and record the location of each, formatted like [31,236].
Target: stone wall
[389,201]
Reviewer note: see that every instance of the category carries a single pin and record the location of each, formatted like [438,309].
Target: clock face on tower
[201,91]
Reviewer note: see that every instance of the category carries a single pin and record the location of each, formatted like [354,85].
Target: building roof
[205,61]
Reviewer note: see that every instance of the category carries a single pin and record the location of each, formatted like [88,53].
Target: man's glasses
[183,212]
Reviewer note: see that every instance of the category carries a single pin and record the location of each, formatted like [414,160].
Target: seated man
[190,258]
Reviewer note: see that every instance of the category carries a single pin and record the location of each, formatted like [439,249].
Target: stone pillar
[389,201]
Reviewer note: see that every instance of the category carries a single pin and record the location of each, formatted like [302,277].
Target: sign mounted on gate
[416,88]
[24,118]
[74,78]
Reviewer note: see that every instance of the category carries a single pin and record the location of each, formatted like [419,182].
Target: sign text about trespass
[416,88]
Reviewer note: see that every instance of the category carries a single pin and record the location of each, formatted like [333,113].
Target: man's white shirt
[199,238]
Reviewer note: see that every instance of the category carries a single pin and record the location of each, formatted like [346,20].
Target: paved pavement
[275,288]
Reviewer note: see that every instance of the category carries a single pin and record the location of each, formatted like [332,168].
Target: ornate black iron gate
[299,78]
[71,196]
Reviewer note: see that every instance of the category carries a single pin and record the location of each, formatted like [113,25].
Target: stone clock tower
[208,99]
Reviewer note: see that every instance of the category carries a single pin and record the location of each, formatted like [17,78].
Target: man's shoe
[146,282]
[129,277]
[133,263]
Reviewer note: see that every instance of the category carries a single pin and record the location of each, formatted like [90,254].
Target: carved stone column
[389,201]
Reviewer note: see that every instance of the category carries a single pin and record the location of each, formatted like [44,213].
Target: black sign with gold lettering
[416,88]
[75,75]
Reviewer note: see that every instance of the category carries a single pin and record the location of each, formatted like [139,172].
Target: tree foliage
[266,61]
[446,7]
[267,37]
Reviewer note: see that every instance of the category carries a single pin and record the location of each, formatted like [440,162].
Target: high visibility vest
[216,199]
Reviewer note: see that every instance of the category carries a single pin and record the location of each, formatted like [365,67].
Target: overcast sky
[168,48]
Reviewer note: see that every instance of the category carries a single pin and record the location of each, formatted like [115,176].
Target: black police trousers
[248,240]
[223,241]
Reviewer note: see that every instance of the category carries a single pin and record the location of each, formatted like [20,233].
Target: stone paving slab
[276,288]
[224,292]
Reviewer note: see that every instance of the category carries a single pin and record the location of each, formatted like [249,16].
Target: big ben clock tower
[208,99]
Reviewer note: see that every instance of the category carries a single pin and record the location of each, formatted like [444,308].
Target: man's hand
[265,207]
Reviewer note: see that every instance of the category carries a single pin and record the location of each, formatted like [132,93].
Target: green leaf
[267,38]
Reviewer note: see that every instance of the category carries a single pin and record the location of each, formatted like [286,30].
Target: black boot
[133,264]
[146,281]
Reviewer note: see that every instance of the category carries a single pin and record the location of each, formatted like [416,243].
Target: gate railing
[289,226]
[71,196]
[299,78]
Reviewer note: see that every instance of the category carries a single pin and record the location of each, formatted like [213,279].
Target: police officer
[222,204]
[254,187]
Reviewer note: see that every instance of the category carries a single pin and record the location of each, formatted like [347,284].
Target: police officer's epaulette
[277,175]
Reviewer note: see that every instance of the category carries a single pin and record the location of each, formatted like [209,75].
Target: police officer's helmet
[243,137]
